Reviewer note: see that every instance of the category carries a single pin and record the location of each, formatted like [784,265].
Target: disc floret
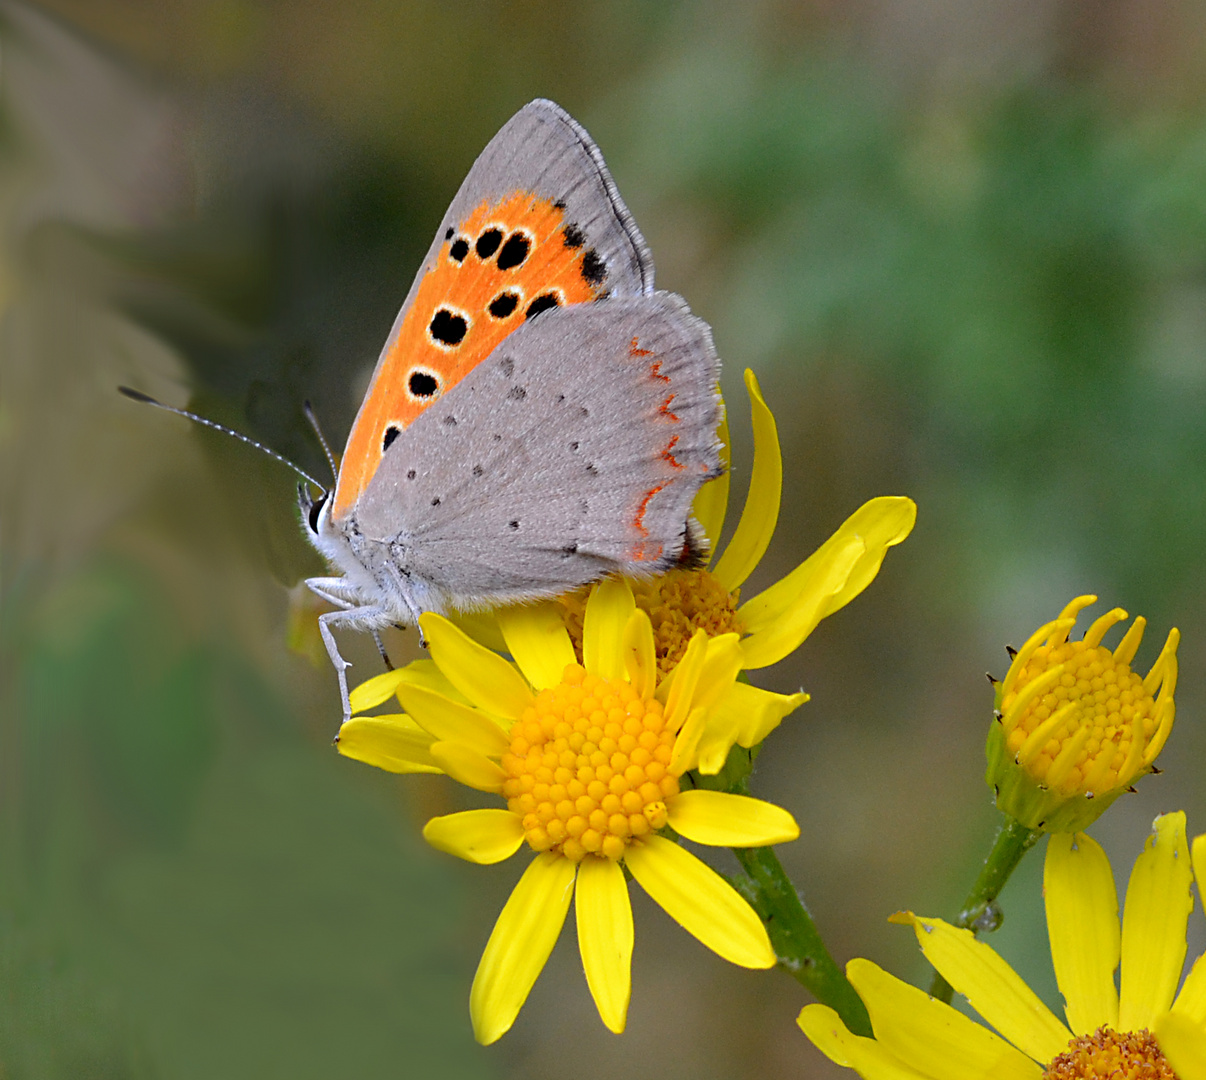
[588,767]
[1075,725]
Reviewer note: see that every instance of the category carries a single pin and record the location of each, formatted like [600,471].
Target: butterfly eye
[316,509]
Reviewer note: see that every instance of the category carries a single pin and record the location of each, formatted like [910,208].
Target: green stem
[794,935]
[980,913]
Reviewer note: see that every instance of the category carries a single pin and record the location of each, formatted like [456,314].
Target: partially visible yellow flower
[586,756]
[776,621]
[1075,725]
[1145,1029]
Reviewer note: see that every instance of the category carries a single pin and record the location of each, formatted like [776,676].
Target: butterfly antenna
[308,409]
[146,399]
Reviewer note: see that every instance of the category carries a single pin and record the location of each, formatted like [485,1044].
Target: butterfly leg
[389,664]
[357,617]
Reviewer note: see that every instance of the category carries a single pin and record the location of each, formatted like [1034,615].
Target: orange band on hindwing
[506,262]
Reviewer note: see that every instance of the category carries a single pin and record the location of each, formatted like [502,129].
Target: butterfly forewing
[537,224]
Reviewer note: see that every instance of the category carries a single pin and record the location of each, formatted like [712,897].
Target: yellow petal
[478,836]
[537,639]
[723,820]
[484,677]
[713,497]
[468,767]
[449,721]
[608,609]
[1082,923]
[786,613]
[640,654]
[1191,1001]
[372,692]
[718,671]
[677,691]
[394,743]
[761,511]
[1199,864]
[867,1057]
[425,673]
[800,601]
[991,986]
[744,715]
[605,937]
[482,626]
[1158,902]
[931,1037]
[700,901]
[519,945]
[1184,1045]
[881,523]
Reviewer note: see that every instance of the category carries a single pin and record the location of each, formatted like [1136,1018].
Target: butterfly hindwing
[575,449]
[536,224]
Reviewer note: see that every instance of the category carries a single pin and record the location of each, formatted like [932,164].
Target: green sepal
[1032,804]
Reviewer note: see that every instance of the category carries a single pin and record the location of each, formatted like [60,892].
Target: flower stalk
[795,938]
[980,913]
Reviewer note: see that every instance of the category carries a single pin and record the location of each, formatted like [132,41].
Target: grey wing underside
[513,485]
[544,150]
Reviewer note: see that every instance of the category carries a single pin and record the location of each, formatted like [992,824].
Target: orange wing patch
[505,263]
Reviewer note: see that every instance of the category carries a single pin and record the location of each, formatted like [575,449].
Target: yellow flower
[1144,1029]
[1075,725]
[776,621]
[584,754]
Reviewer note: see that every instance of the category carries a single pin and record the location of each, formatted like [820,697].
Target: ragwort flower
[584,754]
[1141,1028]
[1076,727]
[776,621]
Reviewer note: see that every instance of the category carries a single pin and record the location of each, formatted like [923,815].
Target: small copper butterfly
[540,415]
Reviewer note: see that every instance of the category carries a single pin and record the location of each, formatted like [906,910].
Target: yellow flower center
[1111,1055]
[1082,729]
[588,767]
[678,603]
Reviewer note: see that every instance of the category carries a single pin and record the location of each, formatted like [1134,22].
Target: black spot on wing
[594,269]
[450,233]
[391,433]
[572,236]
[478,470]
[487,244]
[447,327]
[541,303]
[421,384]
[459,249]
[410,474]
[517,393]
[507,366]
[514,252]
[503,305]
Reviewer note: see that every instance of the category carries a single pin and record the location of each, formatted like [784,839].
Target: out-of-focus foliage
[964,247]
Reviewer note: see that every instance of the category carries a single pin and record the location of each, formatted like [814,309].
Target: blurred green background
[963,245]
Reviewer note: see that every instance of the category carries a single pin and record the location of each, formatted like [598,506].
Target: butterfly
[540,415]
